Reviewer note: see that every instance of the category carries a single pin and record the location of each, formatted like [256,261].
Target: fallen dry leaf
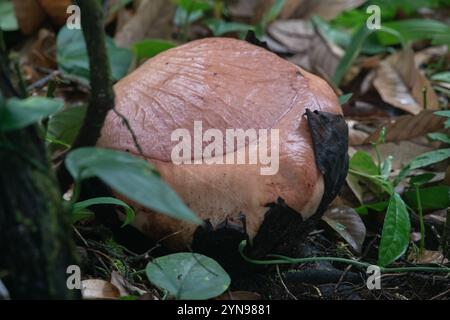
[408,127]
[152,20]
[400,83]
[305,9]
[428,257]
[348,224]
[239,295]
[311,50]
[32,13]
[98,289]
[125,288]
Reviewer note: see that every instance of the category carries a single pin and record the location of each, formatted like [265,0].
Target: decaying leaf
[428,257]
[311,50]
[32,13]
[348,224]
[151,20]
[93,289]
[401,84]
[239,295]
[408,127]
[125,288]
[327,9]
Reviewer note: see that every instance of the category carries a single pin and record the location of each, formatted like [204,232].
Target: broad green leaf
[378,207]
[8,21]
[421,179]
[416,29]
[363,167]
[424,160]
[194,5]
[182,17]
[83,205]
[345,98]
[429,158]
[443,113]
[132,177]
[188,276]
[150,48]
[438,136]
[64,126]
[362,162]
[72,55]
[396,232]
[441,77]
[220,27]
[19,113]
[433,198]
[386,167]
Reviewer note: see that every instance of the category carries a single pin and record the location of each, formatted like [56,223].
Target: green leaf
[132,177]
[378,207]
[441,77]
[188,276]
[81,206]
[396,232]
[443,113]
[194,5]
[64,126]
[424,160]
[73,58]
[19,113]
[151,48]
[416,29]
[433,198]
[269,16]
[354,49]
[345,98]
[8,21]
[220,27]
[362,162]
[421,179]
[437,136]
[429,158]
[81,214]
[386,167]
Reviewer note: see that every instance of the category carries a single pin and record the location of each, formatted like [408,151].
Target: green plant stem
[22,85]
[363,265]
[422,223]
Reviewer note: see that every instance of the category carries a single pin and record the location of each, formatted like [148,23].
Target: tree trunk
[36,245]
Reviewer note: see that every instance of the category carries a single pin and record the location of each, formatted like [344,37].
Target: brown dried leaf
[239,295]
[400,83]
[428,257]
[311,49]
[30,15]
[98,289]
[152,20]
[56,10]
[408,127]
[327,9]
[348,224]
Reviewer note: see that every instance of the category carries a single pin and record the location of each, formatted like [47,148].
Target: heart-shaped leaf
[73,58]
[188,276]
[396,230]
[19,113]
